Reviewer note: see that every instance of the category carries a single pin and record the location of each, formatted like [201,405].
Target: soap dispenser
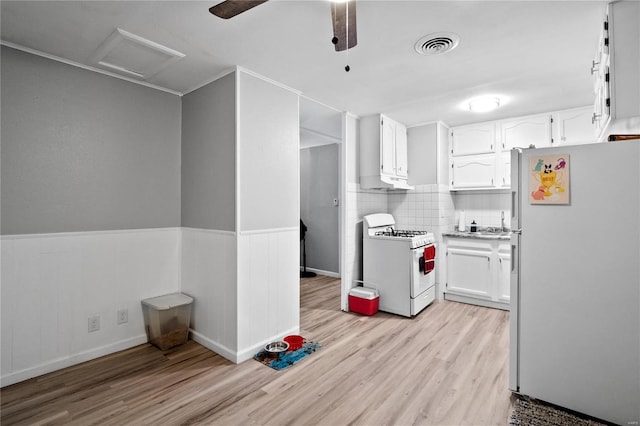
[474,227]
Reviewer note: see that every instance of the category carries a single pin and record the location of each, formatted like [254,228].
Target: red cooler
[363,300]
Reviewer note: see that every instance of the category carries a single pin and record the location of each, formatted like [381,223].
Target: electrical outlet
[94,324]
[123,316]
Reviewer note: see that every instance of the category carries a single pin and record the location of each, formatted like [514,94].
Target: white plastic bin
[166,319]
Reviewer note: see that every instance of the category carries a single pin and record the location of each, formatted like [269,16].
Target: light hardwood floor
[447,366]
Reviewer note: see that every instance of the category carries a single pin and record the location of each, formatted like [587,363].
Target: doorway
[320,139]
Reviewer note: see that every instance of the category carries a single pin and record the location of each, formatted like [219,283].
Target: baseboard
[474,301]
[70,360]
[236,357]
[250,352]
[321,272]
[214,346]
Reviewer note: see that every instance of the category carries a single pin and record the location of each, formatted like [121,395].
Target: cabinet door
[473,139]
[504,272]
[601,105]
[574,127]
[387,147]
[401,151]
[473,171]
[469,272]
[503,170]
[525,131]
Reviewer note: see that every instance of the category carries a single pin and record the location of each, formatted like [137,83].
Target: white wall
[52,283]
[357,204]
[90,211]
[268,155]
[82,151]
[268,194]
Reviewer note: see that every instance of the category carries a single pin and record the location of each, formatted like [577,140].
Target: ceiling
[536,54]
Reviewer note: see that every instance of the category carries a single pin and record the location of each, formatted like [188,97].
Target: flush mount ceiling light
[483,104]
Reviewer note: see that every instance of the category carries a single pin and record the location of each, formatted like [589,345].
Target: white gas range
[399,264]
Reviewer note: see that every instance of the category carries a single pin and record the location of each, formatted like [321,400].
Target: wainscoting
[268,288]
[52,284]
[209,275]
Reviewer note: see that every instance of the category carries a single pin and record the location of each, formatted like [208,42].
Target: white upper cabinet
[616,70]
[387,147]
[573,127]
[525,131]
[600,73]
[480,154]
[473,139]
[383,153]
[401,152]
[503,170]
[473,172]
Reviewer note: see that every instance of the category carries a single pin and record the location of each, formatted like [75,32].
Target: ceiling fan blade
[230,8]
[343,17]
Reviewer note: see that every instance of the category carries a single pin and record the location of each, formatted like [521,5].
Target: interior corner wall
[208,156]
[444,133]
[268,202]
[90,211]
[351,267]
[422,144]
[208,264]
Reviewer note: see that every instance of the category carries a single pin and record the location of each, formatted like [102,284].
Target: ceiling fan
[343,18]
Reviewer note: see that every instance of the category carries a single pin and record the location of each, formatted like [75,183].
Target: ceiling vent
[437,43]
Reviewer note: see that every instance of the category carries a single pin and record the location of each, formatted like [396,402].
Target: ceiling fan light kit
[230,8]
[343,18]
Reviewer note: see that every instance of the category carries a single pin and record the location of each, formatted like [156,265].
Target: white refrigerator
[575,279]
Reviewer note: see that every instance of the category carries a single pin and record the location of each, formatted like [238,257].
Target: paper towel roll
[461,222]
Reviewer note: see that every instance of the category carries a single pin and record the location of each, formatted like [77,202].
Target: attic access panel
[134,56]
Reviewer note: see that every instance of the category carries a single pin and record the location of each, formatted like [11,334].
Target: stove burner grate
[400,233]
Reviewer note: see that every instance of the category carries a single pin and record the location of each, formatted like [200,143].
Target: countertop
[481,235]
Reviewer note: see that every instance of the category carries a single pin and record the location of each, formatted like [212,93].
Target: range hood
[383,182]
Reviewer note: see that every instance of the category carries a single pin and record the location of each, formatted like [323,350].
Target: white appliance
[575,283]
[394,263]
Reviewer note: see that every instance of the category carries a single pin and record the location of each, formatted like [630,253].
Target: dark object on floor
[530,412]
[288,358]
[303,232]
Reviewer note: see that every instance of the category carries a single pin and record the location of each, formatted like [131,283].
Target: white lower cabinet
[504,272]
[478,271]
